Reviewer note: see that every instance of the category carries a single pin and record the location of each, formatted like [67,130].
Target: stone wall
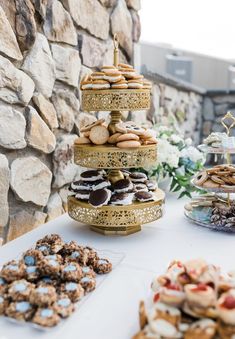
[46,46]
[215,106]
[176,103]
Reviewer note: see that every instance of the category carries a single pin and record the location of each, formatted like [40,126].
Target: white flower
[162,129]
[193,154]
[168,153]
[175,139]
[188,142]
[180,171]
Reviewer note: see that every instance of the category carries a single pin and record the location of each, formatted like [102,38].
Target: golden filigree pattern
[115,100]
[115,216]
[114,157]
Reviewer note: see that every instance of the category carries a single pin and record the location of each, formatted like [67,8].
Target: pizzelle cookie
[99,135]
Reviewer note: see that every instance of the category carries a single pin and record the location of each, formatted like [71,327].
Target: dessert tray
[215,210]
[120,145]
[57,303]
[191,300]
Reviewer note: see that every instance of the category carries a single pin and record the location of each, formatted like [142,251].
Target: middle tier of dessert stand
[110,219]
[215,209]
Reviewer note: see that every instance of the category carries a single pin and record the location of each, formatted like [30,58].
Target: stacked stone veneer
[46,46]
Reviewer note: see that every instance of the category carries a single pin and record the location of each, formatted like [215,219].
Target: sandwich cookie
[123,186]
[128,73]
[88,127]
[91,175]
[121,84]
[147,84]
[121,199]
[113,76]
[86,84]
[82,194]
[100,197]
[144,196]
[121,65]
[134,83]
[100,84]
[152,185]
[99,135]
[108,69]
[139,187]
[81,185]
[127,136]
[97,76]
[101,183]
[138,177]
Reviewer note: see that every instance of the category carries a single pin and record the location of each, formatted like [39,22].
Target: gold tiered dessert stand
[213,194]
[115,220]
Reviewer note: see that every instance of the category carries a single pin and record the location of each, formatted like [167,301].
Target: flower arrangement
[178,160]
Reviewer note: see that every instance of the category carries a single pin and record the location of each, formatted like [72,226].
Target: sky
[203,26]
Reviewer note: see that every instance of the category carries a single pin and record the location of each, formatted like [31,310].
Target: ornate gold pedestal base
[117,220]
[116,230]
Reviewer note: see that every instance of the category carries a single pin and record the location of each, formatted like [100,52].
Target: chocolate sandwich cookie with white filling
[140,187]
[20,290]
[63,306]
[88,283]
[123,186]
[100,197]
[152,185]
[46,317]
[121,199]
[138,177]
[92,175]
[145,196]
[82,195]
[73,290]
[13,270]
[100,84]
[81,185]
[101,183]
[71,271]
[102,266]
[43,295]
[20,310]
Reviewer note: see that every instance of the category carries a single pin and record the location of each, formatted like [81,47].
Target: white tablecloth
[111,312]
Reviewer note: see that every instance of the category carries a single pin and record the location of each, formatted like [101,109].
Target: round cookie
[43,295]
[149,141]
[122,65]
[88,283]
[13,270]
[210,184]
[138,177]
[97,76]
[144,196]
[91,175]
[113,138]
[88,127]
[54,241]
[73,290]
[82,141]
[107,69]
[32,257]
[217,179]
[128,73]
[46,317]
[49,267]
[141,187]
[32,273]
[100,197]
[81,185]
[113,77]
[123,186]
[20,290]
[152,185]
[86,84]
[102,266]
[128,144]
[100,84]
[101,183]
[135,84]
[87,271]
[201,178]
[63,306]
[147,84]
[71,271]
[121,84]
[99,135]
[20,310]
[82,194]
[127,136]
[121,199]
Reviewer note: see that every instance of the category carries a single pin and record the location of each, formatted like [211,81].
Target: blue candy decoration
[29,260]
[20,287]
[52,257]
[71,286]
[85,280]
[102,262]
[2,282]
[70,268]
[47,279]
[42,248]
[86,269]
[22,306]
[53,263]
[75,254]
[31,269]
[12,267]
[46,313]
[64,302]
[42,290]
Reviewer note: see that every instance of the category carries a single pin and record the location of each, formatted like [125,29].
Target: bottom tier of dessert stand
[117,220]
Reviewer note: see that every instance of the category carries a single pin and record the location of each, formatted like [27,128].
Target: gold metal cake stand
[117,220]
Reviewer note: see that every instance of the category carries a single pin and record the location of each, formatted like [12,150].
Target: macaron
[86,84]
[101,183]
[136,84]
[88,127]
[123,186]
[113,76]
[97,76]
[144,196]
[121,199]
[100,197]
[82,194]
[121,84]
[109,69]
[91,175]
[138,177]
[100,84]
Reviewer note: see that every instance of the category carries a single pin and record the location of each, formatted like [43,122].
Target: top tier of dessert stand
[118,220]
[200,208]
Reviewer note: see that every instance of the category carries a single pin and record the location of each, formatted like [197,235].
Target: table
[111,312]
